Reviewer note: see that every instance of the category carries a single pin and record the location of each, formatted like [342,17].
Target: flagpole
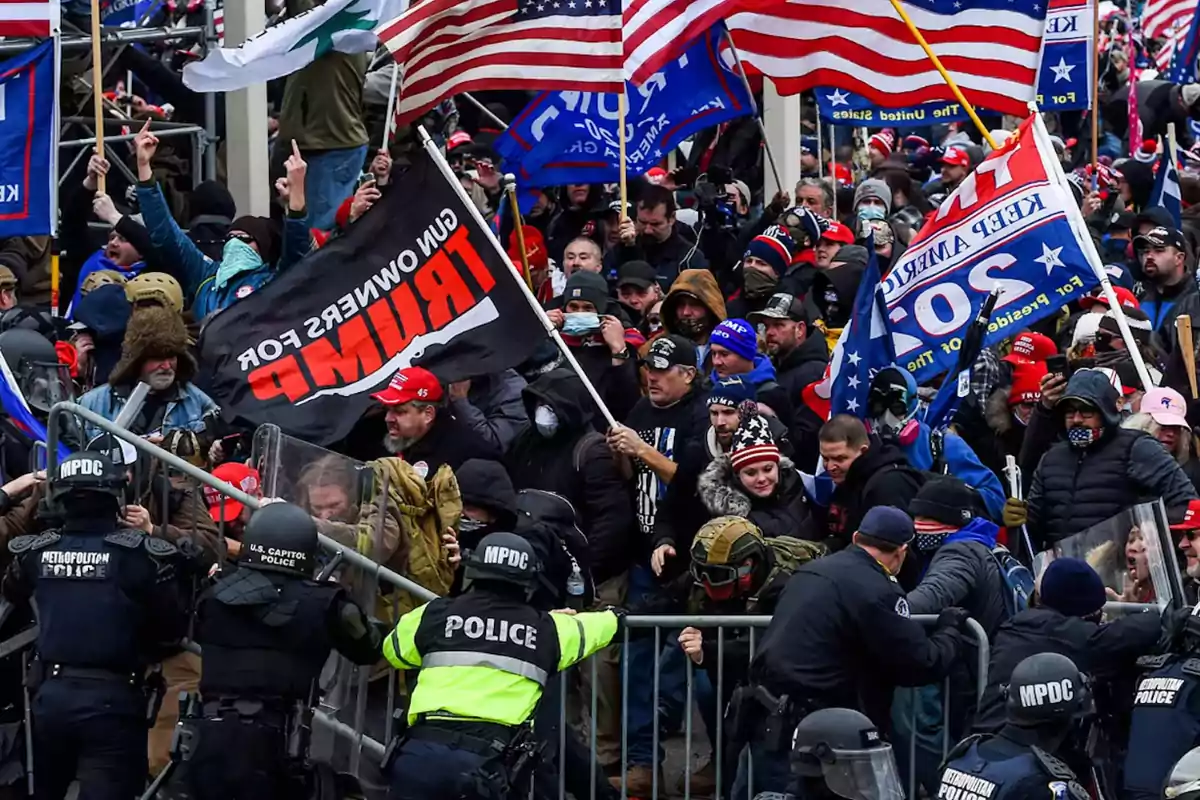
[762,128]
[621,144]
[987,136]
[511,190]
[1096,88]
[484,110]
[539,312]
[391,105]
[820,146]
[1075,220]
[97,95]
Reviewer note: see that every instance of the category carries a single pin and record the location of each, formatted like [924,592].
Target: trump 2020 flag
[1011,224]
[1166,185]
[346,26]
[571,137]
[28,142]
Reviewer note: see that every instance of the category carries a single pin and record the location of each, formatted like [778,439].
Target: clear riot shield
[337,490]
[1134,554]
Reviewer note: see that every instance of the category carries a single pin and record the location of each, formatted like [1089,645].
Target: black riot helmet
[86,483]
[1184,781]
[280,537]
[1046,688]
[34,364]
[503,558]
[843,747]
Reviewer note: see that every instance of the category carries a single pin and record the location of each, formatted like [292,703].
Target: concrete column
[781,116]
[246,120]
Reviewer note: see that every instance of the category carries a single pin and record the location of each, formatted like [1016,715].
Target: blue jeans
[672,681]
[332,177]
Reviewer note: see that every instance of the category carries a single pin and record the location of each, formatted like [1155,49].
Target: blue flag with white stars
[571,137]
[1166,186]
[1183,62]
[864,348]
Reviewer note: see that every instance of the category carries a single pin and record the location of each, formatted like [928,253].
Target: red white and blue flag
[22,18]
[991,47]
[1013,224]
[28,142]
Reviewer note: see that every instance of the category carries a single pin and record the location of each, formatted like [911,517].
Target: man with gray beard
[156,350]
[421,428]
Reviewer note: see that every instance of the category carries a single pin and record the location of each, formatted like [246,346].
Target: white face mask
[545,420]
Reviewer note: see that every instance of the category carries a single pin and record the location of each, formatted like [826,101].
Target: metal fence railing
[573,712]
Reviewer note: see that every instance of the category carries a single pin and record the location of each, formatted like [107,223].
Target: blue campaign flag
[1011,225]
[1183,62]
[571,137]
[1064,78]
[1166,185]
[864,347]
[28,142]
[126,13]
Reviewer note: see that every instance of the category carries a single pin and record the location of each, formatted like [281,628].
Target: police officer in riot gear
[839,752]
[1045,698]
[266,631]
[1184,781]
[484,659]
[1165,723]
[108,602]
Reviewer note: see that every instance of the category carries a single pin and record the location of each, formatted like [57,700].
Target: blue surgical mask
[581,323]
[868,213]
[237,257]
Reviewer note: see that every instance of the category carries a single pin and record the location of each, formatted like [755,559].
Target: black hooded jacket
[879,477]
[597,489]
[1074,489]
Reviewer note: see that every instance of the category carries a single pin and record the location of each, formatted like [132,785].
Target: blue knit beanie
[731,391]
[1070,586]
[737,336]
[774,247]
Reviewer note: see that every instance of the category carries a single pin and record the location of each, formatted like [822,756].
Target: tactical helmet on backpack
[155,287]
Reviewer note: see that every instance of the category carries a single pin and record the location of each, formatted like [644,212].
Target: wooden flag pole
[1183,328]
[762,128]
[621,145]
[97,89]
[1096,91]
[912,28]
[519,225]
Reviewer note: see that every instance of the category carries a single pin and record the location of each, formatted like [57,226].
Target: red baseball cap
[1030,347]
[411,383]
[1191,518]
[837,232]
[1125,297]
[957,157]
[242,477]
[457,138]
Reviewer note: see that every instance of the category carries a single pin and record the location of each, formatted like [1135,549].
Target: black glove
[953,617]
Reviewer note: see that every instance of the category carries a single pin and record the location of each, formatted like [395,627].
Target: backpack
[1018,580]
[548,522]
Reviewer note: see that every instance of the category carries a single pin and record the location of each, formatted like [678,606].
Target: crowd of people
[703,314]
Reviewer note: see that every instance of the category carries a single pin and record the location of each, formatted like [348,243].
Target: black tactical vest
[1162,728]
[264,636]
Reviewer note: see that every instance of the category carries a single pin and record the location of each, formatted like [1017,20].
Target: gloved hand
[1016,513]
[953,617]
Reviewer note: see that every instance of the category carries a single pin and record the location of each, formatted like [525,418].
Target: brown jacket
[29,259]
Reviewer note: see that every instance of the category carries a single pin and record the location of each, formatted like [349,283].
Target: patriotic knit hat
[774,246]
[884,142]
[737,336]
[752,444]
[1148,152]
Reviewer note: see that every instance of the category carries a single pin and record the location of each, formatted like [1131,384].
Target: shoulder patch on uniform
[1054,767]
[1153,662]
[902,607]
[33,542]
[128,538]
[159,548]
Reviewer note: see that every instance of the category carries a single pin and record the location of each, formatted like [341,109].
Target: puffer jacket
[963,573]
[784,513]
[1074,489]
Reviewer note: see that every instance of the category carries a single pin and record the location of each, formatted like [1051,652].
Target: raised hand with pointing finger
[296,168]
[146,144]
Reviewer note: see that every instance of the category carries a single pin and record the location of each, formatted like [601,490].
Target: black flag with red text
[413,281]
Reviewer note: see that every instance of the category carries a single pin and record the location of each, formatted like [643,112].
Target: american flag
[657,31]
[19,18]
[990,47]
[219,25]
[450,46]
[1167,20]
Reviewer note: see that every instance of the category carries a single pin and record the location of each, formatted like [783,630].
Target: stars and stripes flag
[1168,20]
[1185,53]
[991,47]
[657,31]
[20,18]
[450,46]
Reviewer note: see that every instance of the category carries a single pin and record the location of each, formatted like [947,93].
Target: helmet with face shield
[34,364]
[843,747]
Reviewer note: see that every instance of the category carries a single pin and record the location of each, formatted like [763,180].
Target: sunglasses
[241,237]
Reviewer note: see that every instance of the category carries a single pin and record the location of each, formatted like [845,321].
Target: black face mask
[759,284]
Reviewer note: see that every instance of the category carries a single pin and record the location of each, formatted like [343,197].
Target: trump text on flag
[1005,227]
